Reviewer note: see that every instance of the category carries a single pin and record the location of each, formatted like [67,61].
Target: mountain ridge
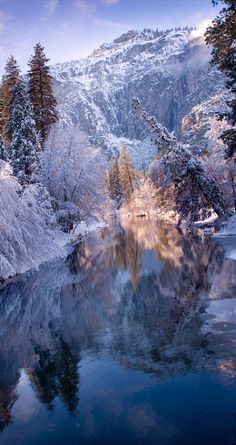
[168,71]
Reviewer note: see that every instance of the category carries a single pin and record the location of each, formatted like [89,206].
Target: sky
[71,29]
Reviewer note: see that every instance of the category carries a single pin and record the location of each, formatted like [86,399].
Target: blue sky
[70,29]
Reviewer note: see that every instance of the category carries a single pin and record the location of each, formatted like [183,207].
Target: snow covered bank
[28,233]
[84,228]
[227,237]
[229,229]
[222,313]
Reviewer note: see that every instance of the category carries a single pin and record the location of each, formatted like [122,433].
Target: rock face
[169,72]
[201,128]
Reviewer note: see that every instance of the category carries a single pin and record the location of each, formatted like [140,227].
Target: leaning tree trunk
[181,163]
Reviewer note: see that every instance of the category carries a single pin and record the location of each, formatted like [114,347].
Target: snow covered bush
[74,173]
[28,235]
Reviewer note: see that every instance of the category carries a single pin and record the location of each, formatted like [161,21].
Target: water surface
[130,340]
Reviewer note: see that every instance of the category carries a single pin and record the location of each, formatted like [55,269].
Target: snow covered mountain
[169,72]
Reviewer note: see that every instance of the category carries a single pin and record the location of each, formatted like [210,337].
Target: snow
[227,237]
[229,228]
[74,173]
[220,311]
[84,228]
[141,152]
[28,234]
[232,254]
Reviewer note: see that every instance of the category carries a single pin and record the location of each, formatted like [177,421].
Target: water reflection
[56,374]
[138,293]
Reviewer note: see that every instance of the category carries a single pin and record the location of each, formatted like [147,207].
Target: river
[131,339]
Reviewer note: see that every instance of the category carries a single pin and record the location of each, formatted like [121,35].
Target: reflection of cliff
[155,332]
[133,292]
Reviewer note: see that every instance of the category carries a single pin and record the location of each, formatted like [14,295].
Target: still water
[130,340]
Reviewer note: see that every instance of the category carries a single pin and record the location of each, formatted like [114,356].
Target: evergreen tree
[41,93]
[126,175]
[222,36]
[10,77]
[113,182]
[24,144]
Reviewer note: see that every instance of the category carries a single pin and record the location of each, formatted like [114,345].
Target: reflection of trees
[9,377]
[56,374]
[163,238]
[79,260]
[7,399]
[189,257]
[126,252]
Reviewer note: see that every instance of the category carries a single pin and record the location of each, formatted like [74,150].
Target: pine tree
[10,77]
[222,36]
[24,144]
[126,175]
[41,93]
[113,182]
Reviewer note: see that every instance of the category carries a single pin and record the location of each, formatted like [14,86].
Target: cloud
[110,2]
[4,19]
[201,28]
[111,24]
[51,6]
[86,6]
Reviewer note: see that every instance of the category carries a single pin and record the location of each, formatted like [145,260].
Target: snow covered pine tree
[24,146]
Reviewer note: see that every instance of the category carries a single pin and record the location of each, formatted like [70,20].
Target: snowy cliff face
[201,128]
[168,72]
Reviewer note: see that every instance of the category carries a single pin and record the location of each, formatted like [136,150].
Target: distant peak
[127,36]
[139,35]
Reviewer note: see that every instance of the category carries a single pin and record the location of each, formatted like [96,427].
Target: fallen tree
[196,191]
